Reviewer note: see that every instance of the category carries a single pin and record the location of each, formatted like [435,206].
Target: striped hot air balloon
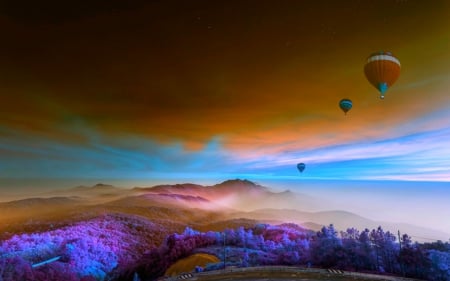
[345,105]
[382,69]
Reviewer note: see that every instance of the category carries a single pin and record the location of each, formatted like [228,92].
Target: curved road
[281,273]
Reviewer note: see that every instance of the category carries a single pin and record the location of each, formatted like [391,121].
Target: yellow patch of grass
[188,264]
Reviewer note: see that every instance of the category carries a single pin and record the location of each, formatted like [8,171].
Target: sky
[204,91]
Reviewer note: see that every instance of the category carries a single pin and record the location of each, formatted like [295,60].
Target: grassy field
[188,264]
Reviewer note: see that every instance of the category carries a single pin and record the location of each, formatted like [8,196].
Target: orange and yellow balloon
[382,69]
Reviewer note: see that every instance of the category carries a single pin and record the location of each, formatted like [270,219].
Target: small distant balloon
[382,69]
[345,105]
[301,167]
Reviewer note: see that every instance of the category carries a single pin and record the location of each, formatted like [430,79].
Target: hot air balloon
[301,167]
[345,105]
[382,69]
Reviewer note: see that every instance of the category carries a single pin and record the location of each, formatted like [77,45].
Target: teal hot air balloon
[345,105]
[301,167]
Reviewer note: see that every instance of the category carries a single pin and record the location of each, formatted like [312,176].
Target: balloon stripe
[383,58]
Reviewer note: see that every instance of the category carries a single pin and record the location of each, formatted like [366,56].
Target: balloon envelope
[301,167]
[345,105]
[382,69]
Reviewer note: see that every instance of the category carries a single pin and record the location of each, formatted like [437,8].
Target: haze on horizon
[394,204]
[174,91]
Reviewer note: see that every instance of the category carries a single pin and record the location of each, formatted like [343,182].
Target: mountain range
[192,203]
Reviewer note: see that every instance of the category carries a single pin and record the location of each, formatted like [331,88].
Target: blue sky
[411,153]
[205,93]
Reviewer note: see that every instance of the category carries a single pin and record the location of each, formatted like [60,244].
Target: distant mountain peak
[179,187]
[241,184]
[287,191]
[98,187]
[239,181]
[102,185]
[186,185]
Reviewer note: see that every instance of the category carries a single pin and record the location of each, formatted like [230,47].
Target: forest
[116,248]
[371,251]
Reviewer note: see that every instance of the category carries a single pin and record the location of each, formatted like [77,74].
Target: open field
[189,263]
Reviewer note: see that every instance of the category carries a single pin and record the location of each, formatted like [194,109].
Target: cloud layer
[171,90]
